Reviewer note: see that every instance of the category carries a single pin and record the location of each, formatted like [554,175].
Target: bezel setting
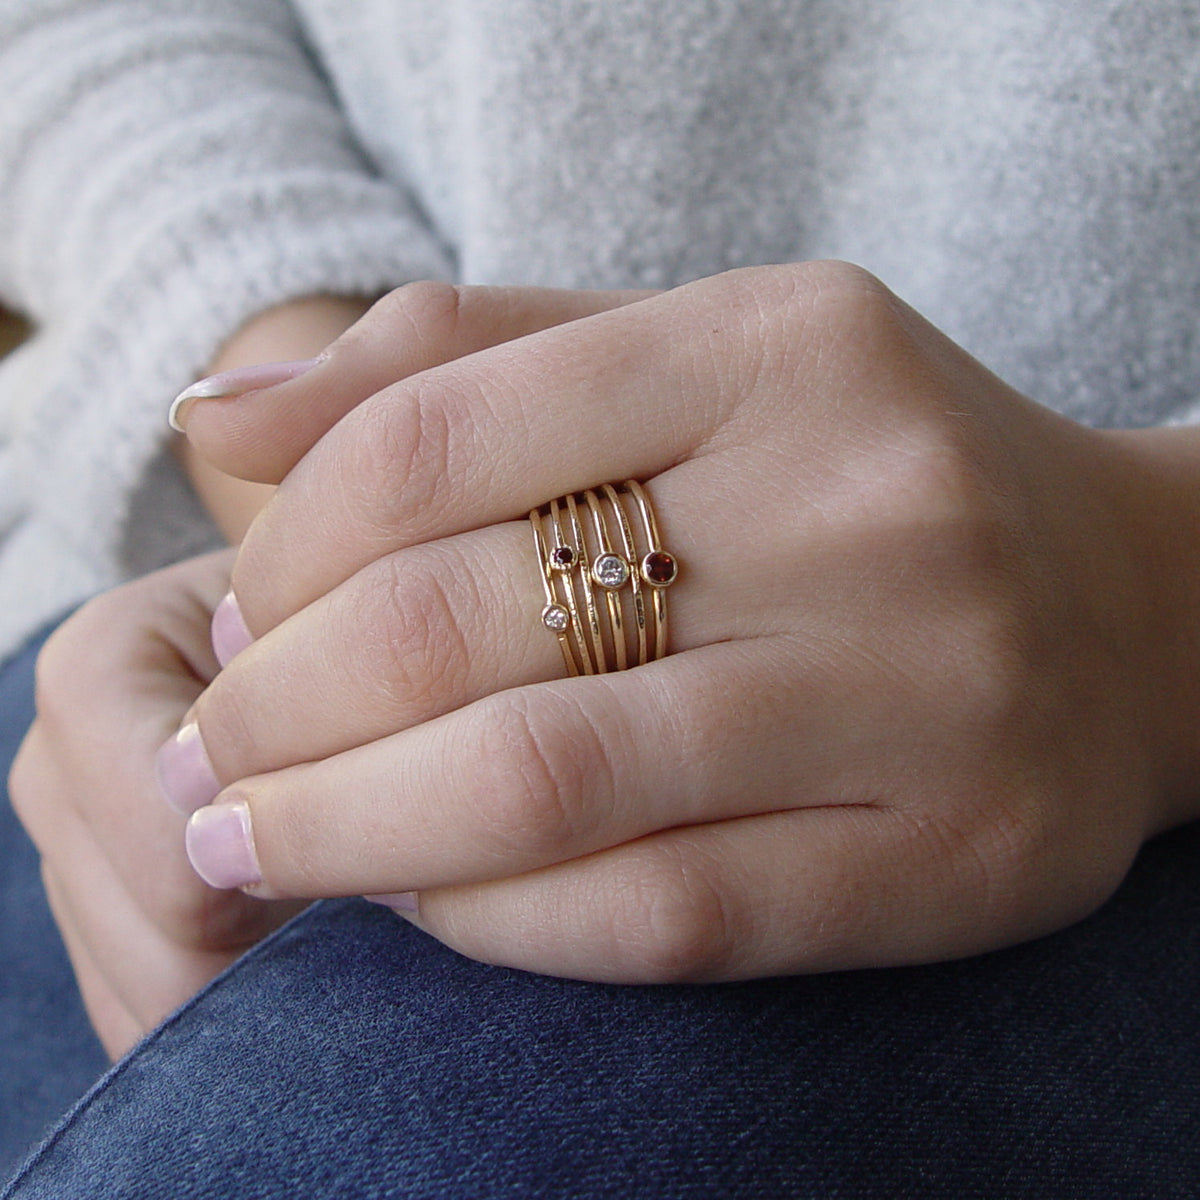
[659,569]
[611,572]
[556,618]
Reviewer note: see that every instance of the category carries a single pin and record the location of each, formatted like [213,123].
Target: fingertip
[220,846]
[228,385]
[230,634]
[184,772]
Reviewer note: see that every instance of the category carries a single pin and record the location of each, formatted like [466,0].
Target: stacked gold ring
[605,575]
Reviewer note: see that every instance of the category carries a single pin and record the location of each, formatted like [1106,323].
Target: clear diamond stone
[556,618]
[610,571]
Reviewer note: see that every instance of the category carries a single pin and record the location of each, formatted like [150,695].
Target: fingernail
[401,902]
[220,846]
[235,383]
[229,633]
[185,775]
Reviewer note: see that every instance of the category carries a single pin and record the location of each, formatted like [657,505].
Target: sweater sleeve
[167,170]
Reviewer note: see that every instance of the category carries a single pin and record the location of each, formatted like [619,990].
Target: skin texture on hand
[917,704]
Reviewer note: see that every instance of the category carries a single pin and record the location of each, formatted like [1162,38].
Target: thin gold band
[555,616]
[604,542]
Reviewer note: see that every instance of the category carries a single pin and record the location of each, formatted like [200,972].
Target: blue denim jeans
[349,1055]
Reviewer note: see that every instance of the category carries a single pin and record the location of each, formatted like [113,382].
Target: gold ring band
[605,575]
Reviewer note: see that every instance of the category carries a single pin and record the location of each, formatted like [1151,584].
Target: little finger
[807,890]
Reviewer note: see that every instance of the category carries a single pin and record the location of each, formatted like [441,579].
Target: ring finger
[429,629]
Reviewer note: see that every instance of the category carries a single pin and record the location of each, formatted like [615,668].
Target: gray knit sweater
[1026,172]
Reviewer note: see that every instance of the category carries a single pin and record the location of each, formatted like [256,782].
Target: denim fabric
[48,1053]
[352,1056]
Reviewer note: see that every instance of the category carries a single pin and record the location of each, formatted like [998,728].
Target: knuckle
[673,923]
[837,294]
[426,310]
[783,326]
[539,778]
[846,297]
[413,637]
[849,321]
[60,673]
[993,643]
[23,789]
[997,861]
[822,283]
[417,432]
[933,481]
[970,539]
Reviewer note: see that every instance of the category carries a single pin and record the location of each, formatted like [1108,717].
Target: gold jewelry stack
[605,575]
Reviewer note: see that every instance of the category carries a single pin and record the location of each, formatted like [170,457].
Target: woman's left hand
[920,701]
[143,933]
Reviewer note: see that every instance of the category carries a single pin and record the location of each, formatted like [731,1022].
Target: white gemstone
[610,571]
[556,618]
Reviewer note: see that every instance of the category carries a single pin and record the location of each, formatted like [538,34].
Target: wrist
[1155,484]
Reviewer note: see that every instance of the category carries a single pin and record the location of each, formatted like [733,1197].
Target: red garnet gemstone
[659,568]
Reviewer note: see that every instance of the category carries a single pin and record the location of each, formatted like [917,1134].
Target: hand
[143,932]
[917,705]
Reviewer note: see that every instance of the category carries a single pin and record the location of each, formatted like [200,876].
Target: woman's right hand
[143,932]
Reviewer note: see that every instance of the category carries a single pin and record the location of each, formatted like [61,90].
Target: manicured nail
[220,846]
[235,383]
[229,633]
[185,775]
[400,902]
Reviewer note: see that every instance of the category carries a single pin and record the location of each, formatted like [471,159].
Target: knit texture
[1026,174]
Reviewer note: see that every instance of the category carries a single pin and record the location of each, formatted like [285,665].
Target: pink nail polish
[236,383]
[185,775]
[229,633]
[220,846]
[400,902]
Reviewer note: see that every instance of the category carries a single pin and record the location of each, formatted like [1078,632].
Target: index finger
[283,409]
[623,394]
